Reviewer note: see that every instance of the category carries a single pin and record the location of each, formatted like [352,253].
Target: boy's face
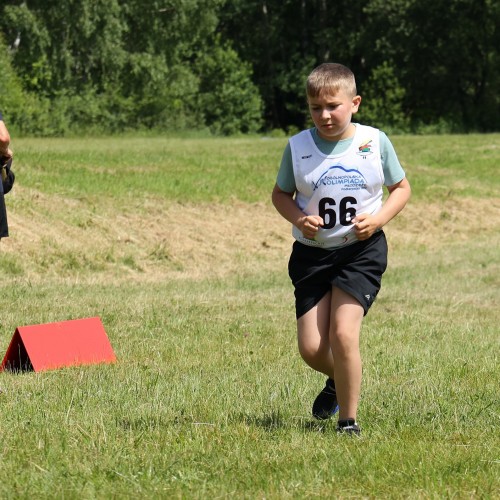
[331,114]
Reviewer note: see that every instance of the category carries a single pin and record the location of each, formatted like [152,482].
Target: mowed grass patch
[209,396]
[194,170]
[441,166]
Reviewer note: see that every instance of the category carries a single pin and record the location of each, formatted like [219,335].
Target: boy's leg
[345,326]
[313,337]
[313,330]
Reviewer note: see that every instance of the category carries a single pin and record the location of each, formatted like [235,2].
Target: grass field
[175,245]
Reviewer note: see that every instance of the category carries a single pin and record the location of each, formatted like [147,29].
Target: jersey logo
[350,179]
[306,157]
[365,149]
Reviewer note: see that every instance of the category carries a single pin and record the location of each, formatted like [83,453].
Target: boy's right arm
[285,204]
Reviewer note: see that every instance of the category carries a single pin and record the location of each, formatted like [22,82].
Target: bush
[12,93]
[382,103]
[228,100]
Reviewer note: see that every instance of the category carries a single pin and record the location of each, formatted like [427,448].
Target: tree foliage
[240,66]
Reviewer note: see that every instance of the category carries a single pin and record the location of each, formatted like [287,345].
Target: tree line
[71,66]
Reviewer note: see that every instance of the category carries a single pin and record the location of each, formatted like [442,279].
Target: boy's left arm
[366,224]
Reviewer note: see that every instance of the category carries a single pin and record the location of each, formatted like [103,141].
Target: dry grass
[452,219]
[159,240]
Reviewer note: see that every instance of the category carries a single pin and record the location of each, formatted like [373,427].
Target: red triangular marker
[54,345]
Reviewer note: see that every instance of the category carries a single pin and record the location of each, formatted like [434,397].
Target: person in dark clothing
[5,156]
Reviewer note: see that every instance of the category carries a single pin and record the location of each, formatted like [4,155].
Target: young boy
[329,187]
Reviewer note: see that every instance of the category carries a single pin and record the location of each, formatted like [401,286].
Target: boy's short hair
[331,77]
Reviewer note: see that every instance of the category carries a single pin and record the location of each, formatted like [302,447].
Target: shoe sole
[326,417]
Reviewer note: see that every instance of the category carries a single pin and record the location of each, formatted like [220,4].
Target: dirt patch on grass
[55,237]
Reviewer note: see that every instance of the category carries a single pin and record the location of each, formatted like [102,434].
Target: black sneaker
[348,426]
[325,405]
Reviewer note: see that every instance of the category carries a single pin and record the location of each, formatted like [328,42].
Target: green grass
[193,169]
[209,397]
[220,170]
[444,165]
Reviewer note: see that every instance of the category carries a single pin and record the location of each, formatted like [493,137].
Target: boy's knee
[313,354]
[305,351]
[308,351]
[344,342]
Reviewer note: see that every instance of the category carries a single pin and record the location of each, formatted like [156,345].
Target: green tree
[113,64]
[228,99]
[162,41]
[19,107]
[445,54]
[382,101]
[11,91]
[284,40]
[65,45]
[130,63]
[69,54]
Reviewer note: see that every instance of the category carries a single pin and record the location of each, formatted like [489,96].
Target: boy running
[329,187]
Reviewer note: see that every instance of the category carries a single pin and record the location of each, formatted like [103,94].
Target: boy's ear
[356,101]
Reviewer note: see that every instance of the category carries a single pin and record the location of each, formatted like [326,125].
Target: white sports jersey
[337,187]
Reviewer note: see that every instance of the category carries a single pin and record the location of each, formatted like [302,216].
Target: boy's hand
[365,225]
[309,225]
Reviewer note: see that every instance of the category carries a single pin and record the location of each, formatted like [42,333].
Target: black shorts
[356,269]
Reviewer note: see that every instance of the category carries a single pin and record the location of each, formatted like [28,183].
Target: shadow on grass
[277,421]
[271,422]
